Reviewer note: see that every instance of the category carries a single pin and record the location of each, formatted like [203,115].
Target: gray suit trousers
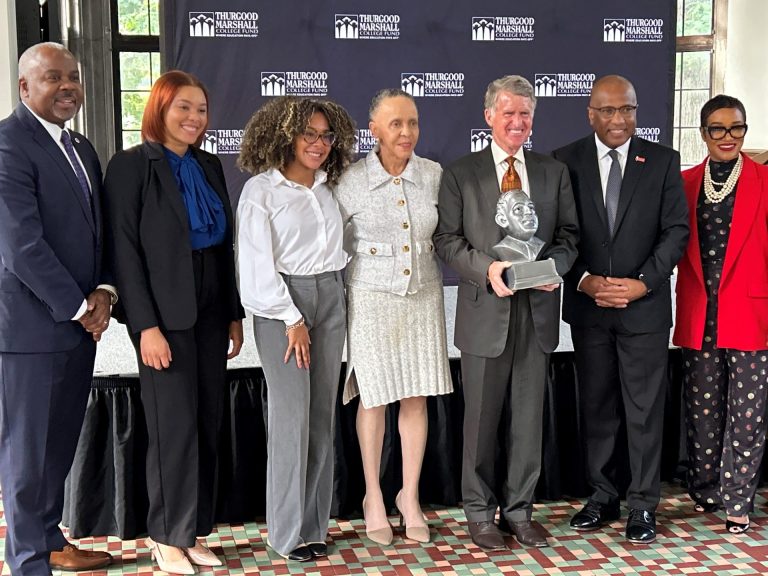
[300,412]
[513,384]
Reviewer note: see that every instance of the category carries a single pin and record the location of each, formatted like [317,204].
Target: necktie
[67,141]
[511,179]
[612,189]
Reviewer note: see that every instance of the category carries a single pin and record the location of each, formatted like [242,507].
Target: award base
[531,274]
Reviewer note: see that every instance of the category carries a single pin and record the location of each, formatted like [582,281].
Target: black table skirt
[106,490]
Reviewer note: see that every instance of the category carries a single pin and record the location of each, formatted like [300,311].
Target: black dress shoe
[594,515]
[486,535]
[641,526]
[318,549]
[528,534]
[300,554]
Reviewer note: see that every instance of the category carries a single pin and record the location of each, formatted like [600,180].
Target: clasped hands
[495,271]
[610,292]
[96,317]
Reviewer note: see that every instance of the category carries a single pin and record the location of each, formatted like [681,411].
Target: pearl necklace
[714,196]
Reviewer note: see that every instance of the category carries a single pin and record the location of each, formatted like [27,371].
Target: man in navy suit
[54,305]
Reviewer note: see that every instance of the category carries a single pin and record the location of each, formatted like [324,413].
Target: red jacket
[742,316]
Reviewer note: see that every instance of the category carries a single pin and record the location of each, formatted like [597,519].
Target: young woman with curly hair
[290,258]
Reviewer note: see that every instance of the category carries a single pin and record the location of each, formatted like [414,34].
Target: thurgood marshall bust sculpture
[516,214]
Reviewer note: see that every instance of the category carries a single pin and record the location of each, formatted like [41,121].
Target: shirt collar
[53,129]
[602,149]
[377,175]
[500,155]
[276,178]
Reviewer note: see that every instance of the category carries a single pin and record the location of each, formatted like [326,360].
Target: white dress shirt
[604,161]
[284,228]
[501,164]
[55,131]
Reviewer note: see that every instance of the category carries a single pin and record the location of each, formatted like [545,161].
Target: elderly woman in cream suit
[396,321]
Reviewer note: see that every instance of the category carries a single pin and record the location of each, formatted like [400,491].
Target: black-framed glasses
[737,132]
[607,112]
[311,136]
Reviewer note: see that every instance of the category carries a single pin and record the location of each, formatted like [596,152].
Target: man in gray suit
[505,337]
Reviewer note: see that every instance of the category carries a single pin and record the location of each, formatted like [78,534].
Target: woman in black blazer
[169,236]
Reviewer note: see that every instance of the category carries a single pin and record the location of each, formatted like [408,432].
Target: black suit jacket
[465,236]
[147,234]
[651,231]
[50,238]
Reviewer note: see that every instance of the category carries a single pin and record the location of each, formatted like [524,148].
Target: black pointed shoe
[595,515]
[641,526]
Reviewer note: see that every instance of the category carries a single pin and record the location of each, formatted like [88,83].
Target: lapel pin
[640,159]
[78,141]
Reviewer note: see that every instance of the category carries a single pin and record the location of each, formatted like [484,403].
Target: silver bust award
[516,214]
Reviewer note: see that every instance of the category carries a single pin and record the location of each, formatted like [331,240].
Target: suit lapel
[693,251]
[537,178]
[745,211]
[485,172]
[44,140]
[591,178]
[632,173]
[94,176]
[168,183]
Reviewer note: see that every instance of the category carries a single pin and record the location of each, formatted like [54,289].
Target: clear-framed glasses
[311,136]
[607,112]
[737,132]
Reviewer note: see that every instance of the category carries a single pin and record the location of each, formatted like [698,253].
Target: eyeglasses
[310,137]
[607,112]
[736,132]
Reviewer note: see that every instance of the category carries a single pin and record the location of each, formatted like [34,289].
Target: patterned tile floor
[686,544]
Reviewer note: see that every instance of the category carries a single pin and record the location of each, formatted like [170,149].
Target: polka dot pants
[725,395]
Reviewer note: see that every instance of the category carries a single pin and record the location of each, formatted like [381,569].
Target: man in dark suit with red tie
[54,304]
[634,228]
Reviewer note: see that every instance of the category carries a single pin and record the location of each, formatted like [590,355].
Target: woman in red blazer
[722,317]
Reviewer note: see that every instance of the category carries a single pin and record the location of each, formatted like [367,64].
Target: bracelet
[298,324]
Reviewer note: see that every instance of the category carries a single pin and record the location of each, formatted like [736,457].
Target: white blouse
[284,228]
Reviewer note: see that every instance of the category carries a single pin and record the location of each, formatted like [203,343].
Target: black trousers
[622,371]
[183,406]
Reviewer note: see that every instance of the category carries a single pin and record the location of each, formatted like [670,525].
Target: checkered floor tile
[686,544]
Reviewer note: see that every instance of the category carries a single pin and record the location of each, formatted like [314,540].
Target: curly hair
[269,134]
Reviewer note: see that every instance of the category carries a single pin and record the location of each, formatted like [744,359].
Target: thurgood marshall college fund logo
[633,30]
[551,85]
[222,141]
[294,83]
[503,28]
[432,84]
[651,133]
[367,26]
[364,141]
[223,24]
[481,138]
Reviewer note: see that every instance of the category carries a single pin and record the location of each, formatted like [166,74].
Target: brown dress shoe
[72,558]
[528,534]
[486,535]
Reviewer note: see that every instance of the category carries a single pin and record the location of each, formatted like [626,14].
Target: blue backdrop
[443,51]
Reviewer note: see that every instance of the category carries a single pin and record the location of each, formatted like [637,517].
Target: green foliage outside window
[138,17]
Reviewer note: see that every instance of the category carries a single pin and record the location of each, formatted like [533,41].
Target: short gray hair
[382,95]
[513,84]
[31,54]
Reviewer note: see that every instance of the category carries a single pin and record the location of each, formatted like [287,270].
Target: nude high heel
[181,566]
[382,536]
[418,532]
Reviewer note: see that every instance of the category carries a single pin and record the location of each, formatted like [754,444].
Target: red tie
[511,180]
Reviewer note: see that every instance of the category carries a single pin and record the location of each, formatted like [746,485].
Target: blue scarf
[207,221]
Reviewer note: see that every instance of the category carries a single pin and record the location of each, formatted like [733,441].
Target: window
[135,63]
[698,70]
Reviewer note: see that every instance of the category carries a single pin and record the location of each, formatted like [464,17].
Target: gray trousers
[300,412]
[512,383]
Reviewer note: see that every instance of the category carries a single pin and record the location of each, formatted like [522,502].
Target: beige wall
[746,70]
[8,71]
